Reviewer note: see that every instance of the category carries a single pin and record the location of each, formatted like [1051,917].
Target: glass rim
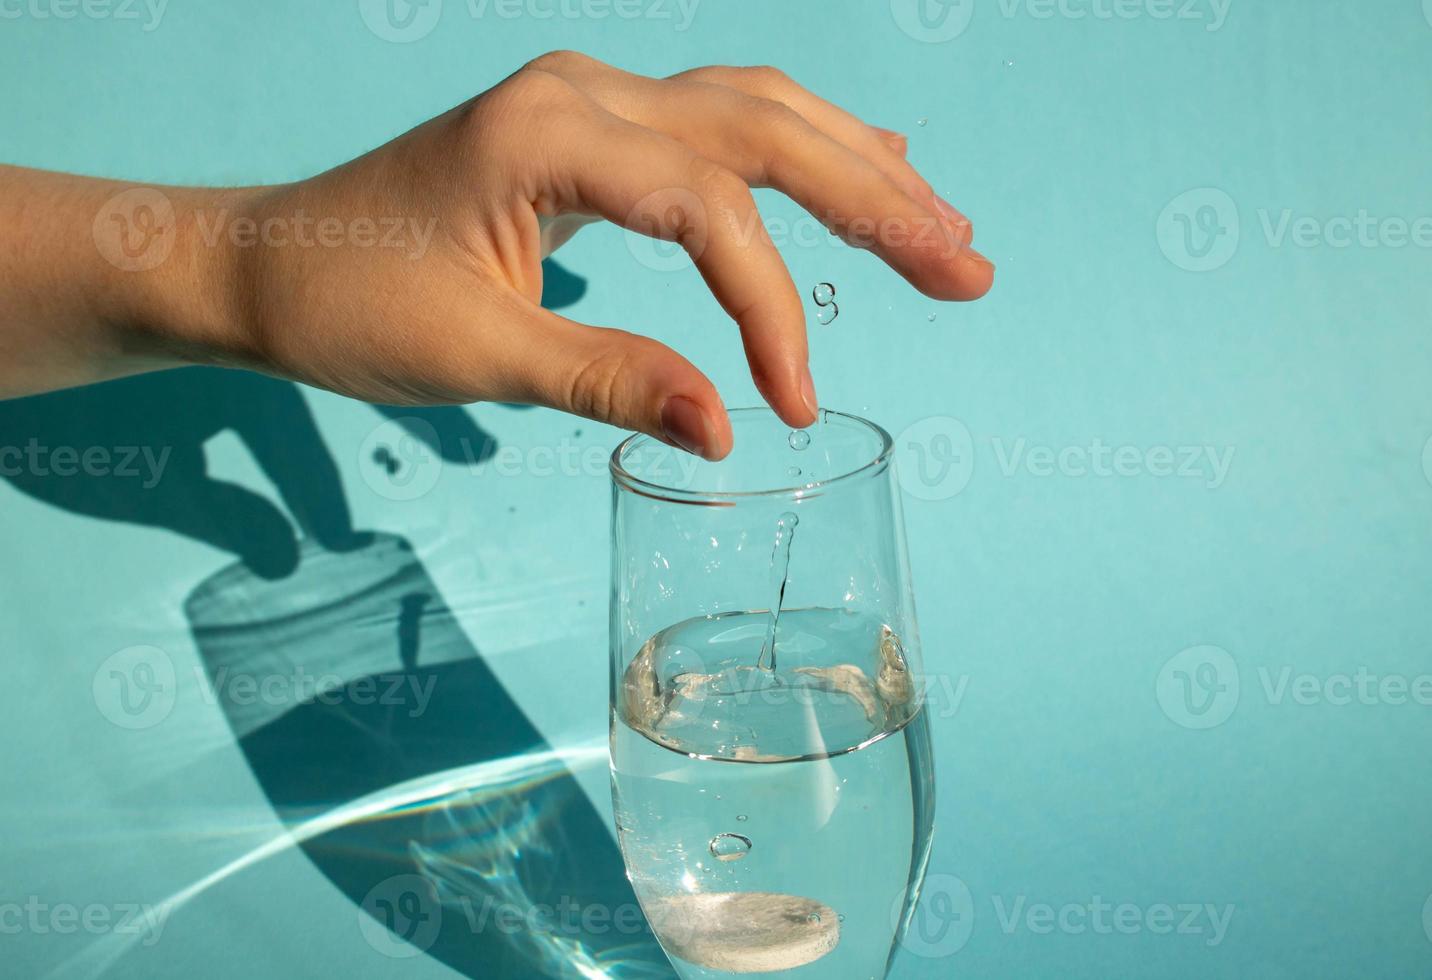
[626,480]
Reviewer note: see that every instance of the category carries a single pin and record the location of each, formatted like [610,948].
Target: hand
[504,179]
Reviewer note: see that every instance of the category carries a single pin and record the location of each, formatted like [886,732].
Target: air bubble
[793,471]
[799,439]
[922,121]
[742,818]
[826,315]
[931,318]
[730,847]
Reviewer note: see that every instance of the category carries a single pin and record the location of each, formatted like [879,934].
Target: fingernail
[684,425]
[808,393]
[897,140]
[958,227]
[952,214]
[978,257]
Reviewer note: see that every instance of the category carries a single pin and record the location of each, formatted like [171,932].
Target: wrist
[174,276]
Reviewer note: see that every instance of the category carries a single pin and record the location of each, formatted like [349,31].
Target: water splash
[780,571]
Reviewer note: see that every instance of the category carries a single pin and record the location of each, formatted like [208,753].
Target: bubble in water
[931,318]
[813,917]
[799,439]
[1009,62]
[921,121]
[793,471]
[742,818]
[826,315]
[730,847]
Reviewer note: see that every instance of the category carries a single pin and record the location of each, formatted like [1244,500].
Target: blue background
[1072,767]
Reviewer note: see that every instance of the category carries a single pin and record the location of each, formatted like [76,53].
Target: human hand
[501,181]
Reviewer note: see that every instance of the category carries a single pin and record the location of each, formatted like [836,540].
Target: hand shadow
[145,439]
[365,681]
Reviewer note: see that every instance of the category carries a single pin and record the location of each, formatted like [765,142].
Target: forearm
[99,280]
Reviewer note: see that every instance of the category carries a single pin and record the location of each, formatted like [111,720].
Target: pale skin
[498,183]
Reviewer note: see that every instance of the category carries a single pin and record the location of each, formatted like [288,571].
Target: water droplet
[813,917]
[826,315]
[793,471]
[841,917]
[799,439]
[823,293]
[931,318]
[730,847]
[1009,62]
[742,818]
[921,121]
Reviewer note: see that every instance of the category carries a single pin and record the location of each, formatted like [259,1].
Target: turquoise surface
[1169,487]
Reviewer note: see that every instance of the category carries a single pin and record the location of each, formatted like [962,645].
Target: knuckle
[766,78]
[531,89]
[713,182]
[595,389]
[537,100]
[556,61]
[777,119]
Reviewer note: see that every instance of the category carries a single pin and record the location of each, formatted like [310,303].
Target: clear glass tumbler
[771,764]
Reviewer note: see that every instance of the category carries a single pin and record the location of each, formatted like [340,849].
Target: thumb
[622,379]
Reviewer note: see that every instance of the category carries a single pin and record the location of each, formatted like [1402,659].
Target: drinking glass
[771,767]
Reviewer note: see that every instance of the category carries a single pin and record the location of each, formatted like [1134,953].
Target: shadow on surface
[344,674]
